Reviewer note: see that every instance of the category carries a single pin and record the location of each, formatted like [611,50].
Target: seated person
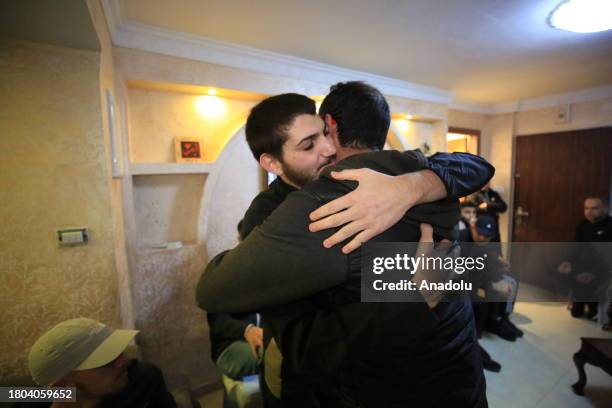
[236,341]
[496,282]
[463,233]
[89,355]
[585,270]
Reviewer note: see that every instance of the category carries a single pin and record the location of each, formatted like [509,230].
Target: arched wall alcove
[201,210]
[231,186]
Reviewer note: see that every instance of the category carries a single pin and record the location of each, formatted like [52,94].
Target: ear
[271,164]
[331,122]
[332,127]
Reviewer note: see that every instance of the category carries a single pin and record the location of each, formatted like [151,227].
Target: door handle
[520,213]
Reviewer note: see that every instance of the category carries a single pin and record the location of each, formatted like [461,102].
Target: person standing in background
[488,201]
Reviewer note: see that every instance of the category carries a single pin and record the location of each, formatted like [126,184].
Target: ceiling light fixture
[212,91]
[582,16]
[408,117]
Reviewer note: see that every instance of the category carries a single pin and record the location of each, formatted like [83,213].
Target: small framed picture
[188,150]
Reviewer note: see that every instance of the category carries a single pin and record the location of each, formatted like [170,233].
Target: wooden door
[554,173]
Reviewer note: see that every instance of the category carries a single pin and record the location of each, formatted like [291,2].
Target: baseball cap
[75,344]
[486,225]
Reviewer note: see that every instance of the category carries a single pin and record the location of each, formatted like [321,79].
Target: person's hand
[585,278]
[503,286]
[376,204]
[426,248]
[483,205]
[472,221]
[254,336]
[564,268]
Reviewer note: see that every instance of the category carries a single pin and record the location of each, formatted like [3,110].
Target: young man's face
[307,150]
[467,213]
[594,209]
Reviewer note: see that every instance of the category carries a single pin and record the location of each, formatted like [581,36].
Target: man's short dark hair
[269,120]
[361,112]
[604,201]
[468,204]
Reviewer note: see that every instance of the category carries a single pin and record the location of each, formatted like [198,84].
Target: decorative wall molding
[473,107]
[545,102]
[131,34]
[552,101]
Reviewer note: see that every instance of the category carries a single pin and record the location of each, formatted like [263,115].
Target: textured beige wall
[173,331]
[466,120]
[53,175]
[583,115]
[497,147]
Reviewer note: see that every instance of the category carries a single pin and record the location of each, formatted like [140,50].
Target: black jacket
[495,203]
[146,389]
[332,332]
[589,253]
[601,231]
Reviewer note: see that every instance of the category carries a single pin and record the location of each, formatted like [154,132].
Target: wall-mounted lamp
[209,106]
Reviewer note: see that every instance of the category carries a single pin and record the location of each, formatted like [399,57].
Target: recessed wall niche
[167,195]
[167,208]
[410,134]
[157,117]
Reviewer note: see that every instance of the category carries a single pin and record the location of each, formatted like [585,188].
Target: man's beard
[300,178]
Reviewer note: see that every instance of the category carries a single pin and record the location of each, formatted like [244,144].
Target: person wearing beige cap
[89,355]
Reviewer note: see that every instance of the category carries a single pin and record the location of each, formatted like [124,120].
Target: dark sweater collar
[605,220]
[280,188]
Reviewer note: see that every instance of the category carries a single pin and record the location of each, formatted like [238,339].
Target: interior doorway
[554,173]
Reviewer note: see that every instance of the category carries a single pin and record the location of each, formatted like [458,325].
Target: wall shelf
[138,169]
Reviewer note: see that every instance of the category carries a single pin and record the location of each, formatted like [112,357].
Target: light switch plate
[72,236]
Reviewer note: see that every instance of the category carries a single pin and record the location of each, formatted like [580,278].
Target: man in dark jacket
[430,353]
[236,340]
[235,343]
[587,270]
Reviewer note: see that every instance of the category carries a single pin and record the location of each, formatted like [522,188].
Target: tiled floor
[537,370]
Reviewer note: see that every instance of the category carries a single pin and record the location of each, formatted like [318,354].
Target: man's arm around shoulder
[279,262]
